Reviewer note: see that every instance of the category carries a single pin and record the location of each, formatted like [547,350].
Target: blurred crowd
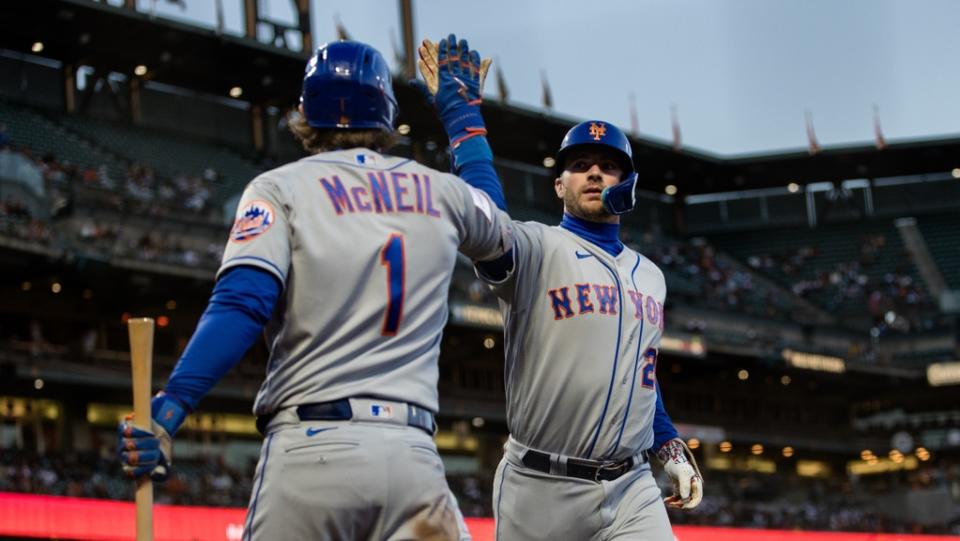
[781,501]
[721,282]
[17,221]
[894,299]
[208,481]
[139,192]
[113,240]
[742,500]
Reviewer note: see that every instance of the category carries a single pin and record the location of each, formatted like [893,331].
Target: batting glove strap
[454,77]
[168,411]
[681,466]
[471,150]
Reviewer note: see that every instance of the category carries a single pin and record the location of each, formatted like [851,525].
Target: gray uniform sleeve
[485,231]
[260,235]
[527,257]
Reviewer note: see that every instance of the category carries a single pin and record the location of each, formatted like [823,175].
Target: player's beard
[593,212]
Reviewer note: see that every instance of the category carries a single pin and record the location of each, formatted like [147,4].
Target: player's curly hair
[316,140]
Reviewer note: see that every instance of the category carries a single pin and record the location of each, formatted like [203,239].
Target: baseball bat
[141,356]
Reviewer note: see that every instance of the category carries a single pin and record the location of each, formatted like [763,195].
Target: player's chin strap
[622,197]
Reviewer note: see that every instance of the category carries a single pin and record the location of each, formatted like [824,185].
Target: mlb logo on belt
[382,411]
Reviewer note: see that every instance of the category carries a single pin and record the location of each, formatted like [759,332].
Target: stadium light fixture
[403,129]
[37,47]
[38,383]
[956,172]
[477,422]
[549,162]
[670,189]
[793,187]
[56,287]
[140,70]
[726,447]
[693,443]
[785,380]
[489,342]
[236,92]
[743,375]
[756,449]
[923,454]
[787,452]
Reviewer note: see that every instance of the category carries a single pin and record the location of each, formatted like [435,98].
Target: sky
[740,73]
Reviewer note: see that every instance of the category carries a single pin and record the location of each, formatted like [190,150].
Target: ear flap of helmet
[622,197]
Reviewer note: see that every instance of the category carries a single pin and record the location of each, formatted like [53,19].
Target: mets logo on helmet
[254,219]
[598,130]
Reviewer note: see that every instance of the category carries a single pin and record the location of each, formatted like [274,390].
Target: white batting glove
[683,472]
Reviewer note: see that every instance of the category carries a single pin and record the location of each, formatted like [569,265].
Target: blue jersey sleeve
[663,429]
[242,302]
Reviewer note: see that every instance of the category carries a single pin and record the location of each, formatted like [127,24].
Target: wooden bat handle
[141,357]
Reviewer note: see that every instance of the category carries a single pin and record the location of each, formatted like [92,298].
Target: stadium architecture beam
[82,32]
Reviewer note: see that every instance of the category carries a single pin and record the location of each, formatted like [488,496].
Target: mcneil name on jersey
[388,192]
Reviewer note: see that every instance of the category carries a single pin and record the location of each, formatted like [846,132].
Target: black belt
[590,470]
[340,410]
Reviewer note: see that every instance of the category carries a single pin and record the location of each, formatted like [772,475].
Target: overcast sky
[740,72]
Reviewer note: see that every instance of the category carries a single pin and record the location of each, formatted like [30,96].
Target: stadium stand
[171,155]
[30,129]
[860,270]
[942,232]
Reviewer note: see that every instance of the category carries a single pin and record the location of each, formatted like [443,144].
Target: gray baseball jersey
[581,336]
[365,245]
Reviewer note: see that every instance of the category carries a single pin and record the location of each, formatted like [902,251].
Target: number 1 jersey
[364,245]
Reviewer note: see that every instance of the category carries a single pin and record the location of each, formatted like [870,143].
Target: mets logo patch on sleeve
[254,219]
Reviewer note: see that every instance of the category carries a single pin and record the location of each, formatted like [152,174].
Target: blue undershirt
[241,305]
[606,236]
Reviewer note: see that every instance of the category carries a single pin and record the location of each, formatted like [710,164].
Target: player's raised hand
[150,451]
[684,473]
[454,77]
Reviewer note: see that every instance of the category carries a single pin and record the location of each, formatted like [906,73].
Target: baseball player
[344,259]
[583,318]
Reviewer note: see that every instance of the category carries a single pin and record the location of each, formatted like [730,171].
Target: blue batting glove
[150,452]
[454,76]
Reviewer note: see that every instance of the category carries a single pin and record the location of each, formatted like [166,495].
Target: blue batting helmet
[347,85]
[617,199]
